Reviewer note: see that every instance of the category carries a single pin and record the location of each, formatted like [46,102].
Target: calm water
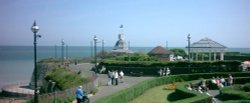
[16,62]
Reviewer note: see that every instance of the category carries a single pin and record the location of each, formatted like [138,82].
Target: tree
[178,52]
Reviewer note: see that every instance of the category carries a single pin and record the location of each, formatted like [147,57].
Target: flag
[121,26]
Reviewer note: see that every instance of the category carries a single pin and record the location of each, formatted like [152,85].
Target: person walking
[109,77]
[116,76]
[121,76]
[112,77]
[230,79]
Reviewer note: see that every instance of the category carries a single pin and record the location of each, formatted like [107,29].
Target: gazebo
[160,52]
[208,46]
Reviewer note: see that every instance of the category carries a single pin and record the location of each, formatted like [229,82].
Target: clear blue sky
[146,22]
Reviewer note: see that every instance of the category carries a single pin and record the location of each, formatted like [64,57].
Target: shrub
[247,87]
[234,92]
[152,67]
[65,79]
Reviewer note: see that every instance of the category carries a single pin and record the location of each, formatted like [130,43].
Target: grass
[154,95]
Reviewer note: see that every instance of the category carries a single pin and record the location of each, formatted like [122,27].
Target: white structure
[121,45]
[207,45]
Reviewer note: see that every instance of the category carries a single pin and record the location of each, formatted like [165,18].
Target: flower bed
[171,86]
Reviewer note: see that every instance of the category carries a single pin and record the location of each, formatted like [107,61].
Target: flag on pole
[121,26]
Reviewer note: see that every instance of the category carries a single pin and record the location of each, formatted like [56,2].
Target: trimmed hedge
[128,94]
[152,67]
[235,92]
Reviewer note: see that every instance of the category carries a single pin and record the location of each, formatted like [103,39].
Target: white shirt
[116,75]
[121,74]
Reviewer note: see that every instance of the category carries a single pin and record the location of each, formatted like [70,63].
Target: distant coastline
[17,61]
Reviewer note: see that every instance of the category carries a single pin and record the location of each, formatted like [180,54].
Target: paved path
[104,89]
[215,94]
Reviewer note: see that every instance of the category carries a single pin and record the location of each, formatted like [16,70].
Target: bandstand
[209,46]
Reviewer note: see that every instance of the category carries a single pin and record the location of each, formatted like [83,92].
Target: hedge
[152,67]
[235,92]
[130,93]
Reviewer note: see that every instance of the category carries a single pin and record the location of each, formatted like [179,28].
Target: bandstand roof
[207,43]
[158,50]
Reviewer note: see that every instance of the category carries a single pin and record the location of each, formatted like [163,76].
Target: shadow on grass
[173,97]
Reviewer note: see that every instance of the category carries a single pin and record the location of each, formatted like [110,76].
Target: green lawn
[154,95]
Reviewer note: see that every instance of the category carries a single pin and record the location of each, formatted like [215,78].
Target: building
[207,45]
[121,45]
[161,53]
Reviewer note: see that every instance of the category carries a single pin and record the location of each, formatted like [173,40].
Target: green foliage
[237,101]
[247,87]
[235,92]
[65,79]
[178,52]
[152,67]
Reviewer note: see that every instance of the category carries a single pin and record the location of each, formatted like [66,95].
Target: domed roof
[158,50]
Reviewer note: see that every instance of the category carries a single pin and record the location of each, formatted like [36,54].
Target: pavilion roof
[158,50]
[207,43]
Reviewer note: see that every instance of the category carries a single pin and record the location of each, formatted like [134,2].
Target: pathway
[104,89]
[215,94]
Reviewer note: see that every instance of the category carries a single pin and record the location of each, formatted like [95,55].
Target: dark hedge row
[152,68]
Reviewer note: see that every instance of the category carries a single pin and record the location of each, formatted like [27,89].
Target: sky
[147,23]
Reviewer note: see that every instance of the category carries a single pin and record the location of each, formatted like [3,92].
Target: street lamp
[35,29]
[188,37]
[62,51]
[102,49]
[95,42]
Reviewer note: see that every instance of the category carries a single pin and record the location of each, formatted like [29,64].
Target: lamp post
[95,42]
[188,37]
[102,49]
[35,29]
[62,51]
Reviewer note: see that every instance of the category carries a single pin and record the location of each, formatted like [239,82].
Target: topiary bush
[235,92]
[247,87]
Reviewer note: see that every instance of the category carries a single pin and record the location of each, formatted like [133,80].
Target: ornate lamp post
[188,37]
[95,56]
[35,29]
[62,51]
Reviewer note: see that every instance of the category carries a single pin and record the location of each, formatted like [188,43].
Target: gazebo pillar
[209,55]
[196,58]
[214,55]
[222,55]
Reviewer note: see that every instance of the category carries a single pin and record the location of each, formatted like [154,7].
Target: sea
[17,62]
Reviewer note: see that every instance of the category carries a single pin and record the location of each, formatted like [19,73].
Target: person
[112,77]
[79,94]
[168,72]
[160,72]
[189,87]
[121,76]
[213,80]
[109,77]
[223,81]
[116,76]
[230,79]
[203,85]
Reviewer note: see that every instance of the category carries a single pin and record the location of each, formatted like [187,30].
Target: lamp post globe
[34,28]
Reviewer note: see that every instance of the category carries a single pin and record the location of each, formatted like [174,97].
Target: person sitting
[189,87]
[79,94]
[203,85]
